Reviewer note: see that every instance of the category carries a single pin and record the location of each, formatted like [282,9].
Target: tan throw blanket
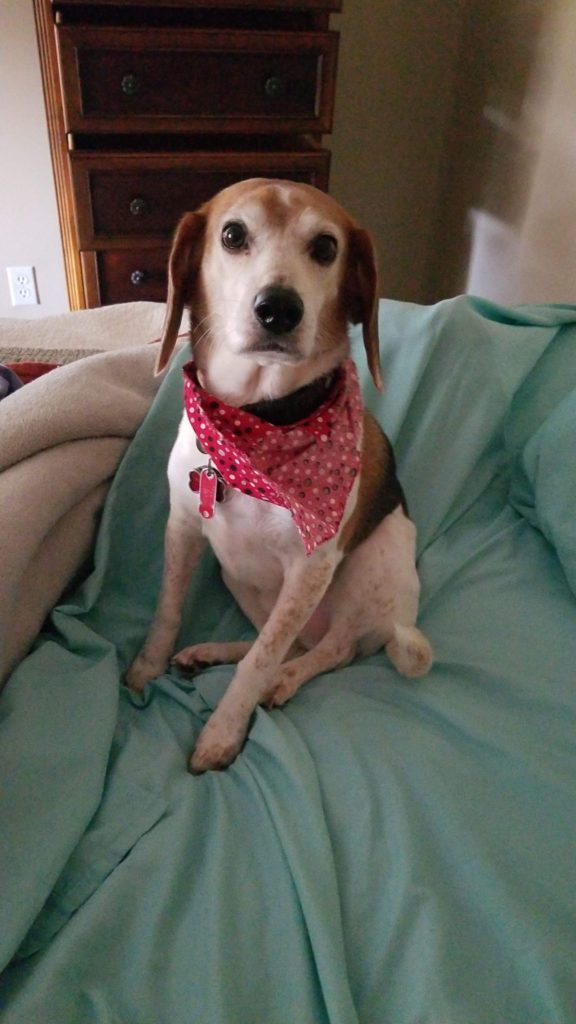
[61,438]
[60,339]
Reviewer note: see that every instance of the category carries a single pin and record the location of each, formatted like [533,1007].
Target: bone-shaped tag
[200,481]
[207,488]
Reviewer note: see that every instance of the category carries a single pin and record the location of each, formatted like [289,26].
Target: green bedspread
[382,851]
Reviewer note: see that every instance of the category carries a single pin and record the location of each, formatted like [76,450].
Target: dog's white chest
[253,540]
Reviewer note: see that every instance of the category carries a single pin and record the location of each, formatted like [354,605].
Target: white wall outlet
[23,290]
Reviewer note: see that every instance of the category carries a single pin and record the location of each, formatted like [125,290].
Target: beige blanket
[89,330]
[61,438]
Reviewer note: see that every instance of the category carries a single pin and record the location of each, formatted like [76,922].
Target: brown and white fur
[355,593]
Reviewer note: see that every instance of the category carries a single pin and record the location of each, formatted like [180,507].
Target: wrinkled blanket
[61,439]
[382,852]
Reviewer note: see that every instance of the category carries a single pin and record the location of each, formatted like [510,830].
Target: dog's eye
[234,235]
[324,249]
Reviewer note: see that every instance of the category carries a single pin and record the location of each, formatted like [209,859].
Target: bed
[382,851]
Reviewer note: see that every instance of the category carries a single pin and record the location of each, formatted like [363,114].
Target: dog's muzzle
[278,310]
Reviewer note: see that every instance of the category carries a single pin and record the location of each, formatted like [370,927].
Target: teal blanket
[382,851]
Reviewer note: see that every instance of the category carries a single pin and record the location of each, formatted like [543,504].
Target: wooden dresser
[154,106]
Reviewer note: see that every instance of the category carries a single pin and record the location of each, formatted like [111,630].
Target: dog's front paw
[142,671]
[217,747]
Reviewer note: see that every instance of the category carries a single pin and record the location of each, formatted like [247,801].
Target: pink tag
[208,485]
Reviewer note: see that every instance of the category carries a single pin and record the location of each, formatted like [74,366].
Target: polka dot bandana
[307,467]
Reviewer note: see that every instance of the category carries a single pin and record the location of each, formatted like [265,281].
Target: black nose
[278,309]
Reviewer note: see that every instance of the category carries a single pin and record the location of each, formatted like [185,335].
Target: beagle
[276,463]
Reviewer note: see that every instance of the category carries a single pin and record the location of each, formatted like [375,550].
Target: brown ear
[361,291]
[183,267]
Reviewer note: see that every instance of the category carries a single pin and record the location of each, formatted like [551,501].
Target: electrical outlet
[23,290]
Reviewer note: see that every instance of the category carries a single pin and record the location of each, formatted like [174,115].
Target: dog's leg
[374,603]
[193,659]
[335,650]
[305,584]
[182,549]
[198,656]
[408,650]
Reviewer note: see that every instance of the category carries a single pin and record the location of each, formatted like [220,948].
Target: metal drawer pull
[138,206]
[274,86]
[138,276]
[130,85]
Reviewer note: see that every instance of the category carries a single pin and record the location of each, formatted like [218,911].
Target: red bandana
[308,467]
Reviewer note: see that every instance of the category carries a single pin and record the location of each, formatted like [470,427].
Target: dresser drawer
[270,5]
[131,195]
[125,275]
[148,80]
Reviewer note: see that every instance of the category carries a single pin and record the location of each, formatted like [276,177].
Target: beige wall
[29,232]
[542,259]
[507,213]
[393,106]
[454,141]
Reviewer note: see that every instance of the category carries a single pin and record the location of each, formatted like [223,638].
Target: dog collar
[298,405]
[307,467]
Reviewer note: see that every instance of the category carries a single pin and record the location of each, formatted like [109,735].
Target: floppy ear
[183,267]
[361,291]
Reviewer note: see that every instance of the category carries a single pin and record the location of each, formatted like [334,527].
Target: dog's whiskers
[203,329]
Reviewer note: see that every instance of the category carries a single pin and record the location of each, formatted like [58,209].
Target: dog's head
[273,271]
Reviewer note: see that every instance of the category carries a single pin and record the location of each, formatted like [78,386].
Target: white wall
[29,232]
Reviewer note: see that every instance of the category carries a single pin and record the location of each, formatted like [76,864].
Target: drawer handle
[130,85]
[274,86]
[138,276]
[138,206]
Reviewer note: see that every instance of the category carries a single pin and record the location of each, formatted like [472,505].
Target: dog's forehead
[278,205]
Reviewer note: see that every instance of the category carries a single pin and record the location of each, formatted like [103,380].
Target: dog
[276,463]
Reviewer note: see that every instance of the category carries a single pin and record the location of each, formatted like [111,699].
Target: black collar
[282,412]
